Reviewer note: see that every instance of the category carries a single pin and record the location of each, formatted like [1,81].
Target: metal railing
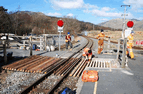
[120,48]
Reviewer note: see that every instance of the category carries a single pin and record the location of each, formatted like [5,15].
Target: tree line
[25,22]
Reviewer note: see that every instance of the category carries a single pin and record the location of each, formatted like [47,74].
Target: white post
[108,44]
[124,40]
[40,43]
[59,40]
[24,43]
[4,49]
[30,42]
[45,42]
[123,31]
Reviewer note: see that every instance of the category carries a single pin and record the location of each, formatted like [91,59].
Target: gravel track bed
[15,81]
[69,82]
[49,82]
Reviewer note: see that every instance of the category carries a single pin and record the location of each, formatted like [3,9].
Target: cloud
[130,16]
[140,18]
[46,1]
[106,12]
[68,4]
[107,9]
[70,15]
[54,14]
[103,13]
[104,19]
[136,4]
[140,10]
[89,6]
[71,4]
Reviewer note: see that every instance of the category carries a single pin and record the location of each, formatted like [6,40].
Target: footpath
[116,81]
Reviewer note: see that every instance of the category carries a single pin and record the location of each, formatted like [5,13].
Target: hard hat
[132,32]
[68,32]
[102,30]
[89,51]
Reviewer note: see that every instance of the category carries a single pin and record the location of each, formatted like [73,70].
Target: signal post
[60,24]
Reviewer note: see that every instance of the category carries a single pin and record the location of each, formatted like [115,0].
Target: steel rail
[51,91]
[17,62]
[48,72]
[63,76]
[21,65]
[72,65]
[26,67]
[49,65]
[81,65]
[76,68]
[36,68]
[36,63]
[64,67]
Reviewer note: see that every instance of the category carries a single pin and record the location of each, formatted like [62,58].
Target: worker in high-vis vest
[87,54]
[68,41]
[100,38]
[129,51]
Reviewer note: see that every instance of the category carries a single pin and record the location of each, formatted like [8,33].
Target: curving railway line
[58,67]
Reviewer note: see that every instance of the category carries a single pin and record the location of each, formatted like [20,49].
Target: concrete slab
[26,53]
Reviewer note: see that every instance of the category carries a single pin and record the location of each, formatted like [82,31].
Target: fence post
[30,45]
[118,49]
[124,53]
[45,42]
[24,43]
[108,47]
[4,50]
[40,43]
[7,41]
[53,41]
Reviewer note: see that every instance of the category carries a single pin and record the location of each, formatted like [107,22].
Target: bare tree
[5,22]
[71,25]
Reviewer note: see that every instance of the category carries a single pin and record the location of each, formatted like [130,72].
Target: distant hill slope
[38,23]
[117,24]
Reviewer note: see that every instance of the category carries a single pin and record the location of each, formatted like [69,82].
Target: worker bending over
[101,41]
[87,53]
[129,51]
[68,40]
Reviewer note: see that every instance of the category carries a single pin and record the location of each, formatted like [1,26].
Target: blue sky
[94,11]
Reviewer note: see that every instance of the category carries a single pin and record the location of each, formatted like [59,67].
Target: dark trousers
[68,44]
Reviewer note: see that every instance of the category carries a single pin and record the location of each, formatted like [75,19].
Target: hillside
[117,24]
[25,22]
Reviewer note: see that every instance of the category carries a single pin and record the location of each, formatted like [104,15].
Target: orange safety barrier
[90,76]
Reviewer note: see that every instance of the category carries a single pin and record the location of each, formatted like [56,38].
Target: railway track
[49,67]
[60,69]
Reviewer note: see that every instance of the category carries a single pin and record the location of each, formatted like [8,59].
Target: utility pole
[124,39]
[123,30]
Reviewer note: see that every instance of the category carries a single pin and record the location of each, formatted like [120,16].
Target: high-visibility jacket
[130,45]
[85,52]
[68,38]
[101,38]
[130,41]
